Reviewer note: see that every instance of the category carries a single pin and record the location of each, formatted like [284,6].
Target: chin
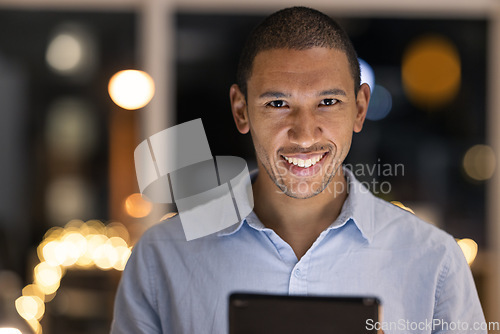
[296,192]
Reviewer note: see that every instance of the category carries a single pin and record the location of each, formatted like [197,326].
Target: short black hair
[296,28]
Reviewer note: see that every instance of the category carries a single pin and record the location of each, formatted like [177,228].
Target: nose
[305,129]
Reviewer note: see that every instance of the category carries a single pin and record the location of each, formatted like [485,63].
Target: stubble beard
[286,188]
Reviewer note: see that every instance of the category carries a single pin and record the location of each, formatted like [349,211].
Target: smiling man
[314,230]
[301,113]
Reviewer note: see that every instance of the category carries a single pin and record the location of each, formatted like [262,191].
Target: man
[314,228]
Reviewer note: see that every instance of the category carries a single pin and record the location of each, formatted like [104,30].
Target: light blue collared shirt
[373,248]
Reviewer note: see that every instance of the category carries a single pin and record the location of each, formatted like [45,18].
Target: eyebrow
[277,95]
[335,91]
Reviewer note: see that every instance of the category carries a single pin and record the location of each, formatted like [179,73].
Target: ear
[362,101]
[239,109]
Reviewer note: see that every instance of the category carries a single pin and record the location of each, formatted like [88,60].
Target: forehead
[310,69]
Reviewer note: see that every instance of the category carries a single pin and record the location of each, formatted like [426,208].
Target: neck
[298,221]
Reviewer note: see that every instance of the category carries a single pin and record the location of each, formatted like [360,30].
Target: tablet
[266,313]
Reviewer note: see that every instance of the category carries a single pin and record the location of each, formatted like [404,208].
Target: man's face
[301,110]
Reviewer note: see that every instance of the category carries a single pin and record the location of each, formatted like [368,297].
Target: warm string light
[82,245]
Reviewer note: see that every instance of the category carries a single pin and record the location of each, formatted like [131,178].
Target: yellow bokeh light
[480,162]
[53,233]
[431,71]
[117,230]
[105,256]
[131,89]
[48,277]
[402,206]
[49,289]
[169,215]
[74,245]
[6,330]
[93,227]
[50,252]
[30,307]
[117,242]
[78,244]
[137,207]
[469,248]
[35,326]
[75,225]
[123,256]
[93,243]
[33,290]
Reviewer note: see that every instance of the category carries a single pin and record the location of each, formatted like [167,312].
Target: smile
[304,163]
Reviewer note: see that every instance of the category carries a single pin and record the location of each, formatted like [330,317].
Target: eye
[328,102]
[277,104]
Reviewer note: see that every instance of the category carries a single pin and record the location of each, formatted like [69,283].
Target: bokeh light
[402,206]
[137,207]
[131,89]
[30,307]
[469,248]
[380,104]
[123,254]
[67,197]
[479,162]
[71,129]
[48,277]
[64,53]
[82,245]
[117,230]
[367,74]
[35,326]
[431,71]
[71,50]
[10,331]
[33,290]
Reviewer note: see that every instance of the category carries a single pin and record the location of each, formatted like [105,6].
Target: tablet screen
[264,313]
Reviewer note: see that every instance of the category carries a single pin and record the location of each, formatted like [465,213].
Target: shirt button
[297,273]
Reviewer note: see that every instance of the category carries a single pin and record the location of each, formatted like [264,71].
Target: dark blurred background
[69,208]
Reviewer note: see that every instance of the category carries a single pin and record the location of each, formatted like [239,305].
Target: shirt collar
[357,207]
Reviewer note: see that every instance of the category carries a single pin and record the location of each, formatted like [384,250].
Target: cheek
[267,132]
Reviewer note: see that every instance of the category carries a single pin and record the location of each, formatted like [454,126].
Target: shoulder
[168,236]
[168,228]
[406,229]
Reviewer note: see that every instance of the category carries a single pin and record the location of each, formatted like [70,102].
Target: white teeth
[304,163]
